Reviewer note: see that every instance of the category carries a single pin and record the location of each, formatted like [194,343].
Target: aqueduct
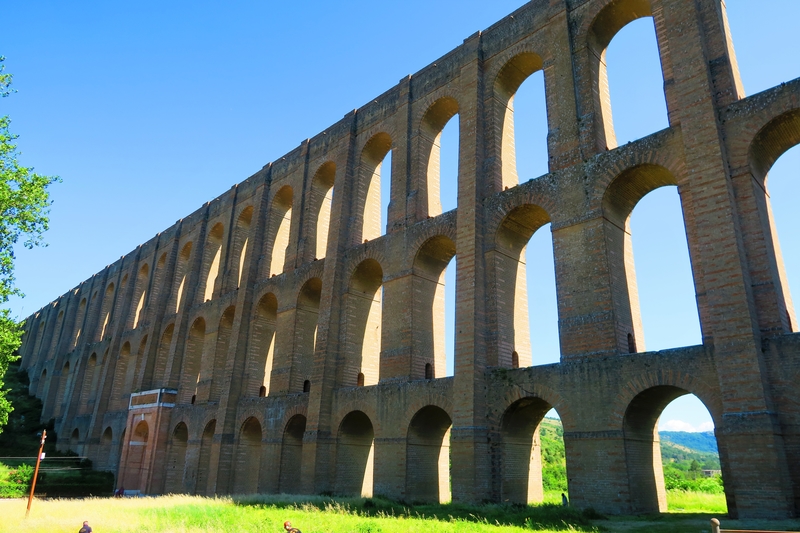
[280,338]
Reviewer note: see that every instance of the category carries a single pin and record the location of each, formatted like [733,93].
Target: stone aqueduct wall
[292,375]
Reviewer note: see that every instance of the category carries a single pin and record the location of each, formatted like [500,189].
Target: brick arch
[643,401]
[319,206]
[363,253]
[291,413]
[626,159]
[524,199]
[438,227]
[372,149]
[350,406]
[428,455]
[636,385]
[515,392]
[355,445]
[601,23]
[428,128]
[248,412]
[507,74]
[431,399]
[778,135]
[519,454]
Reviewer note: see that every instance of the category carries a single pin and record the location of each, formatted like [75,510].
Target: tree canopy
[24,208]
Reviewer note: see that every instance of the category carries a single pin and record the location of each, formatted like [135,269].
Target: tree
[24,208]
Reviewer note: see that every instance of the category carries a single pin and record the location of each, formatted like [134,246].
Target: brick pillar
[760,485]
[469,448]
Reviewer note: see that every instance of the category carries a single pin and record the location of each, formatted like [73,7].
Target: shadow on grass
[535,517]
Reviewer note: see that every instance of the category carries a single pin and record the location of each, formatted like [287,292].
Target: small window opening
[194,397]
[306,386]
[262,391]
[514,360]
[428,371]
[631,344]
[360,380]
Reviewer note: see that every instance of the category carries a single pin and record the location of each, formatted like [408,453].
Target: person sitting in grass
[289,529]
[86,527]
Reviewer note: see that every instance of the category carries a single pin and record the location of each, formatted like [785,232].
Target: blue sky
[147,110]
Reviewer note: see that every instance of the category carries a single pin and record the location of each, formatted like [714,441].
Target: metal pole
[36,472]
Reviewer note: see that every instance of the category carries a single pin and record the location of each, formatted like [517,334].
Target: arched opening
[280,222]
[663,273]
[306,316]
[262,391]
[212,260]
[262,344]
[429,309]
[667,283]
[428,371]
[221,354]
[431,138]
[140,293]
[636,82]
[645,451]
[105,310]
[42,386]
[527,310]
[79,322]
[368,210]
[106,445]
[88,383]
[242,230]
[360,379]
[533,460]
[320,202]
[606,25]
[155,375]
[181,271]
[364,315]
[522,112]
[61,393]
[191,365]
[202,487]
[158,278]
[74,439]
[428,456]
[307,386]
[290,481]
[120,376]
[355,455]
[774,158]
[176,460]
[248,458]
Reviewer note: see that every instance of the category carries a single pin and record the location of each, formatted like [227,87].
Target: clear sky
[148,110]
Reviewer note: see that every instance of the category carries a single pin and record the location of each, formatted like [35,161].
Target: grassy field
[312,514]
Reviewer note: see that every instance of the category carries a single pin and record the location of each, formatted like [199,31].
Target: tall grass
[681,501]
[262,514]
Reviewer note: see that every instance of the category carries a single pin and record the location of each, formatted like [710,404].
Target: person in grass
[86,527]
[289,529]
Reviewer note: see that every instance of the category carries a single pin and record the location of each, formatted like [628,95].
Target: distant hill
[704,442]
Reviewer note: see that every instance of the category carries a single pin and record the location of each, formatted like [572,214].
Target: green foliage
[20,437]
[15,482]
[554,459]
[24,208]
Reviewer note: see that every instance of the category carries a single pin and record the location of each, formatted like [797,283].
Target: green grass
[318,514]
[679,501]
[261,514]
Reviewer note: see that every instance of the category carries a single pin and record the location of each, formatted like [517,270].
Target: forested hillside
[684,457]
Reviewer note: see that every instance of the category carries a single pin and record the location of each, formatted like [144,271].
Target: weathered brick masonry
[275,340]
